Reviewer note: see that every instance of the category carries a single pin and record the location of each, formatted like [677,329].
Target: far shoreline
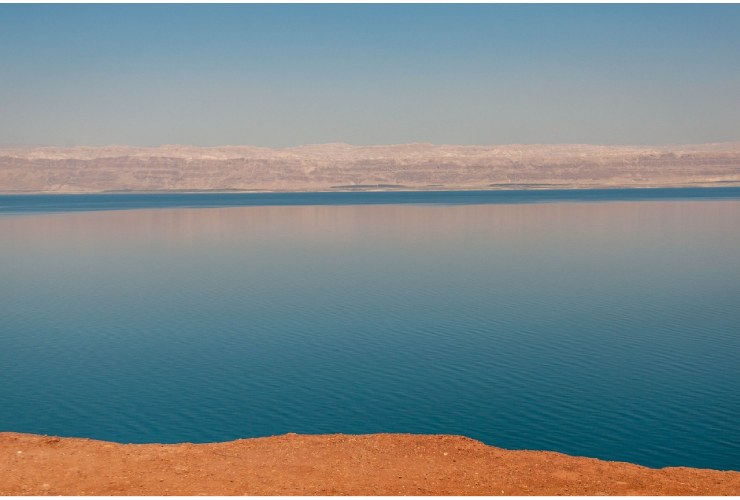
[405,189]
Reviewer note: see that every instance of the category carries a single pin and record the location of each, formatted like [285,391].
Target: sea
[599,323]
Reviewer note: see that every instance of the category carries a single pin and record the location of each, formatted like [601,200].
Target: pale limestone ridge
[330,167]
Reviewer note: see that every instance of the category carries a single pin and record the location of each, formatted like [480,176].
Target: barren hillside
[331,167]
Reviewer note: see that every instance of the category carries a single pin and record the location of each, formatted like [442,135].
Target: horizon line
[347,144]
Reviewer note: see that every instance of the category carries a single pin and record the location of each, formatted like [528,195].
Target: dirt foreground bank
[379,464]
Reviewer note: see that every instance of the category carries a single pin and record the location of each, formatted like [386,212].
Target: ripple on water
[518,327]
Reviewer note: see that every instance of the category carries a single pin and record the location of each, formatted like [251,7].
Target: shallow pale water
[602,328]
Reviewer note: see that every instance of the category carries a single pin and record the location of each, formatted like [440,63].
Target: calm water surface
[608,329]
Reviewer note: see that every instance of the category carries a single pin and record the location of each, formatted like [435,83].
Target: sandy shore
[379,464]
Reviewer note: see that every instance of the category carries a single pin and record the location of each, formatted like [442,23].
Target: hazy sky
[283,75]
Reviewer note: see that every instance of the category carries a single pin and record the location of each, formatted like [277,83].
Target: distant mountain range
[343,167]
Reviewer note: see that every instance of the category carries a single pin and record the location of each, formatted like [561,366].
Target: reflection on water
[598,329]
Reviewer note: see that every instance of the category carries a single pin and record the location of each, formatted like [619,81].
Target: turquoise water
[604,324]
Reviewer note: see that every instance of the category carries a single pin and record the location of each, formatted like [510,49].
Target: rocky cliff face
[344,167]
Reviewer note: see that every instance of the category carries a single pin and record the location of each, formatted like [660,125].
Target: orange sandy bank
[379,464]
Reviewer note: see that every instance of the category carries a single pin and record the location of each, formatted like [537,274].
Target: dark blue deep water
[598,323]
[125,201]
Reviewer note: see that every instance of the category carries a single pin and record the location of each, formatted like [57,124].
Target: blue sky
[283,75]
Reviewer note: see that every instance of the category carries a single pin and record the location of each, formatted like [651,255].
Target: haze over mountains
[336,167]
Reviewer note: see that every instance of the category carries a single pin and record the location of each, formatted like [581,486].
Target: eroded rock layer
[331,167]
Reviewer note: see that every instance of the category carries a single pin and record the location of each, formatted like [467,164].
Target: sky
[282,75]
